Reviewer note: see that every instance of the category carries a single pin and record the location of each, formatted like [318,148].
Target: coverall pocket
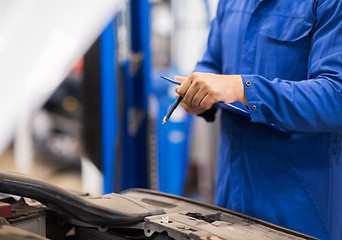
[286,29]
[283,41]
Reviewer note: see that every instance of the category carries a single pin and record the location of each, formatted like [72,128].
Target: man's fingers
[206,102]
[198,97]
[183,88]
[189,95]
[191,109]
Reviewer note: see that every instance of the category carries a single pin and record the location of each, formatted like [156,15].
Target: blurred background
[101,129]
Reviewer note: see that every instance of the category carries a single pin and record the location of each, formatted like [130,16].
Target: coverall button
[248,83]
[254,107]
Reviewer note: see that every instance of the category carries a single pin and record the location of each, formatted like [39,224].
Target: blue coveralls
[289,53]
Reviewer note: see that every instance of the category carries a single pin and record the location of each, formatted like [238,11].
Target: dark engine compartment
[51,212]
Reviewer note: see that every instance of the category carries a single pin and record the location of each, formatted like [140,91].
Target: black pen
[172,108]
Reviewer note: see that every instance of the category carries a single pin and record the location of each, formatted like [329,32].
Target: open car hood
[150,212]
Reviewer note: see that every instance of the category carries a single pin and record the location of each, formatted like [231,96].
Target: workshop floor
[55,173]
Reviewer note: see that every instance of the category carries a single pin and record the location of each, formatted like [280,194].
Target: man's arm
[314,104]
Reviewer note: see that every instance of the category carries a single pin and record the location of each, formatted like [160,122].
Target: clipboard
[236,110]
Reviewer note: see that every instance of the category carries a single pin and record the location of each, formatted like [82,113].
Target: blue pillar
[109,126]
[136,84]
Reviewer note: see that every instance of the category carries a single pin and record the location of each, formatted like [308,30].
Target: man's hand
[201,91]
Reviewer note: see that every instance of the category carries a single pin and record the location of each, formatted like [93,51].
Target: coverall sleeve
[313,104]
[211,60]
